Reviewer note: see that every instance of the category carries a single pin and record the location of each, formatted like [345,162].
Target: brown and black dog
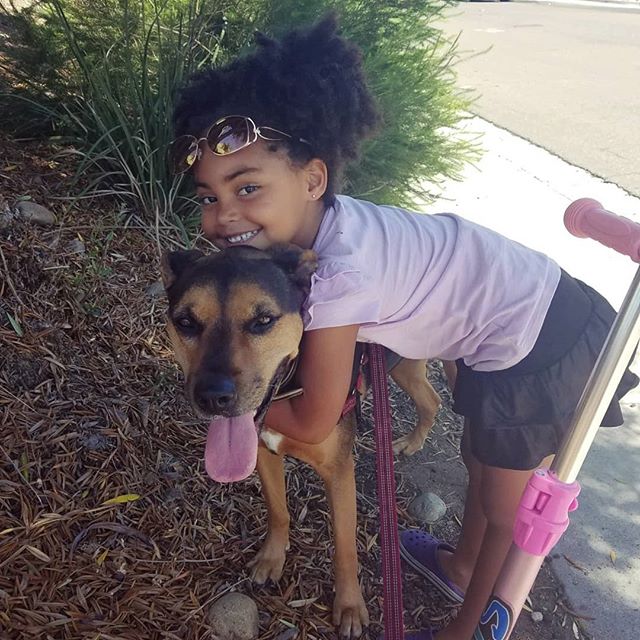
[235,324]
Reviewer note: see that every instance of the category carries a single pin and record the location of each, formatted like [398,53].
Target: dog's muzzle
[215,394]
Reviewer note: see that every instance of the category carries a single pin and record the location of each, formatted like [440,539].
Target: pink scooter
[552,493]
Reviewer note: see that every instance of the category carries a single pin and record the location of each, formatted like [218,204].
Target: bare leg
[458,566]
[269,561]
[500,493]
[451,372]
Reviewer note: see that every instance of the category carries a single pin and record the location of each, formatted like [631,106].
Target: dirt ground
[91,409]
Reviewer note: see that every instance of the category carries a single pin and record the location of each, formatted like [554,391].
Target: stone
[234,617]
[289,634]
[36,213]
[155,290]
[427,508]
[96,442]
[76,246]
[537,616]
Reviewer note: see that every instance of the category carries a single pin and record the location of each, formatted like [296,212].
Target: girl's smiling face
[258,197]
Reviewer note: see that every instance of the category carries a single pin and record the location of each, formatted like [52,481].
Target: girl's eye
[262,323]
[249,189]
[207,200]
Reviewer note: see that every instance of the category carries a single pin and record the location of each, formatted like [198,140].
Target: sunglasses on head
[223,137]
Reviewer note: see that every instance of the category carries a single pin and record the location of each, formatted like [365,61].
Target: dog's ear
[173,263]
[299,264]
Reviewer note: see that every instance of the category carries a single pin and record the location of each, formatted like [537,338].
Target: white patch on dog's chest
[271,439]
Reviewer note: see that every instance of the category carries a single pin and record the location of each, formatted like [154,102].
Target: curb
[628,5]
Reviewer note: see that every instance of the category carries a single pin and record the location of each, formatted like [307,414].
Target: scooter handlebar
[587,218]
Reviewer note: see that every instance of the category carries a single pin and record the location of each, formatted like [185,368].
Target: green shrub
[103,73]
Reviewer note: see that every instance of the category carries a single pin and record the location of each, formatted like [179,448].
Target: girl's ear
[173,263]
[299,264]
[316,174]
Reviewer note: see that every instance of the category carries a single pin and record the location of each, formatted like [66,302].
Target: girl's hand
[324,372]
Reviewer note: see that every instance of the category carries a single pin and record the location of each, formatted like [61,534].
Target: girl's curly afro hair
[310,84]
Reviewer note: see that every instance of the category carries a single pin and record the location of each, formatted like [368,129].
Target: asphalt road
[564,77]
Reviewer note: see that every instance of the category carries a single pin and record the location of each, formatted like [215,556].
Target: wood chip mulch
[92,410]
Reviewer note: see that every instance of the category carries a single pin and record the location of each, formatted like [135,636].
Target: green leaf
[127,497]
[15,324]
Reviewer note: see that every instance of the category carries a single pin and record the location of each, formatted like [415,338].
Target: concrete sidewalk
[604,4]
[521,191]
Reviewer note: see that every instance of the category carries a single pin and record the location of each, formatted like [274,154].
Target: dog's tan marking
[411,376]
[180,349]
[264,352]
[245,299]
[203,302]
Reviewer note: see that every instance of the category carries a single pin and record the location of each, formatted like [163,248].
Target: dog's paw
[409,444]
[350,613]
[268,563]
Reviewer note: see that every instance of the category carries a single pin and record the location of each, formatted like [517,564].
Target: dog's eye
[186,325]
[262,323]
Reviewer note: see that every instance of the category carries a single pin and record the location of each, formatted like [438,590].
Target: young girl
[266,138]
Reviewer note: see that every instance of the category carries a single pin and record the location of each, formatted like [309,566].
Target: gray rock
[289,634]
[537,616]
[427,508]
[155,290]
[96,442]
[76,246]
[36,213]
[234,617]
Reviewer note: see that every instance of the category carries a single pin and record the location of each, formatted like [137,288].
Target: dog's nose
[215,393]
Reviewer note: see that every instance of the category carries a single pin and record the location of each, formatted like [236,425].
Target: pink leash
[389,542]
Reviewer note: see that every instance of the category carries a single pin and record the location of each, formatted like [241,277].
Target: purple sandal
[420,551]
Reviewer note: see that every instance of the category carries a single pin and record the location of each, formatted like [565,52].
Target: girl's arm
[324,372]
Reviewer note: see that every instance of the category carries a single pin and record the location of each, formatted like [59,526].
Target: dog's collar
[284,388]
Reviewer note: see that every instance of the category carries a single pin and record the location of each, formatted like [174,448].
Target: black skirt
[518,416]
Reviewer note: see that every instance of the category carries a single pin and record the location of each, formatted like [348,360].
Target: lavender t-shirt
[429,286]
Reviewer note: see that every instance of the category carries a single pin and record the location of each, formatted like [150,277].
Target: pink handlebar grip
[586,218]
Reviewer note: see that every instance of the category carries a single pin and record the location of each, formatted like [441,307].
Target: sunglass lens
[184,152]
[192,155]
[230,135]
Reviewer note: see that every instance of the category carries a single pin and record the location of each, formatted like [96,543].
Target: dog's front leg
[269,561]
[349,609]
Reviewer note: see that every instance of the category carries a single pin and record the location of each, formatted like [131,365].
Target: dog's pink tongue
[232,448]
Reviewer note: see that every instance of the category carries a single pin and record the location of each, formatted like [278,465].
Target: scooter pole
[552,493]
